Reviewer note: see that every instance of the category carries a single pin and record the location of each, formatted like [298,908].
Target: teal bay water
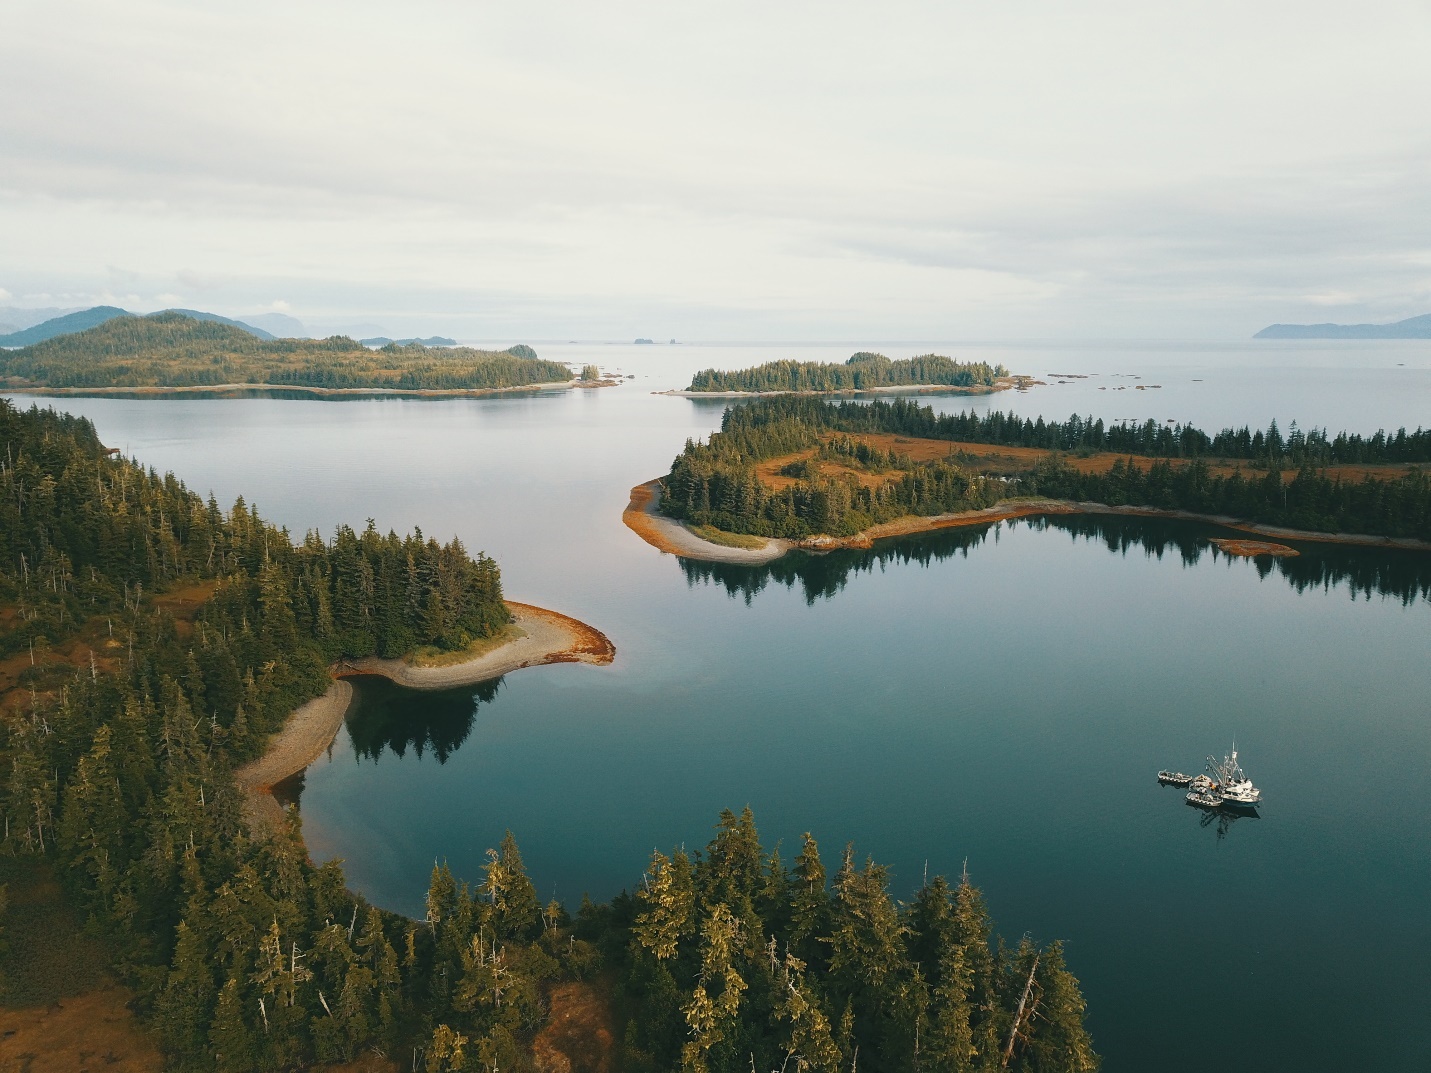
[1001,695]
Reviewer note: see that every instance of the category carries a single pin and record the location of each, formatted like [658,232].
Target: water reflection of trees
[1401,575]
[826,574]
[385,716]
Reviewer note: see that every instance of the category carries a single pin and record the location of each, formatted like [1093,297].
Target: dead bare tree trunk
[1019,1015]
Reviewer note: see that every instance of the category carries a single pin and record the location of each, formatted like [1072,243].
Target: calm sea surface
[1001,695]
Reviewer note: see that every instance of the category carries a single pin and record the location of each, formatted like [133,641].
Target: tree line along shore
[799,469]
[176,351]
[154,643]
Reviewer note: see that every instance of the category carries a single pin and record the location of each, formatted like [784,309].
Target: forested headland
[171,350]
[862,372]
[851,466]
[152,642]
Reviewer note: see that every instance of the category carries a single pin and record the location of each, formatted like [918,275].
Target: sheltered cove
[667,534]
[545,637]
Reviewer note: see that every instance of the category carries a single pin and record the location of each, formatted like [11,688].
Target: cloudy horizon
[978,171]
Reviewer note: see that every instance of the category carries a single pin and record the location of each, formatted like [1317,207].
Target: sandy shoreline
[321,392]
[669,535]
[547,637]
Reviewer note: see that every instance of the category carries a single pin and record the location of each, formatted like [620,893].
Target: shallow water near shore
[1002,694]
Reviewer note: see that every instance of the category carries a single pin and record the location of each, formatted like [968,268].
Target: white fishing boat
[1204,799]
[1233,785]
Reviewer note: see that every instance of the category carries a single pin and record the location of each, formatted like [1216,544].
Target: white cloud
[955,169]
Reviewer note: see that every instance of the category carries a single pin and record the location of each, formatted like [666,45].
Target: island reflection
[1401,575]
[387,717]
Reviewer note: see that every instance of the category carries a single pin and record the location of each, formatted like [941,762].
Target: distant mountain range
[85,319]
[280,324]
[63,325]
[1413,328]
[15,319]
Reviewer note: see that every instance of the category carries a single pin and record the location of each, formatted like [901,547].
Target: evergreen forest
[174,350]
[1168,467]
[862,372]
[160,640]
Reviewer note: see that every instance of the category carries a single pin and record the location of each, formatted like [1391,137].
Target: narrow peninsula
[791,472]
[175,353]
[863,372]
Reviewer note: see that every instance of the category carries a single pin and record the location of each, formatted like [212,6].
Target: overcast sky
[770,171]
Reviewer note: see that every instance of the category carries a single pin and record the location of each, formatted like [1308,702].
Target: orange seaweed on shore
[637,517]
[590,645]
[1251,548]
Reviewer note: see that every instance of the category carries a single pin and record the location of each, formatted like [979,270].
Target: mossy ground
[729,540]
[45,952]
[428,656]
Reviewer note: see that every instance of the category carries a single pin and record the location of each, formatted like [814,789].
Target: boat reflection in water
[1223,819]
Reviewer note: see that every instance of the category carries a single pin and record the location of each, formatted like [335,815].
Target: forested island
[153,642]
[808,470]
[862,372]
[176,351]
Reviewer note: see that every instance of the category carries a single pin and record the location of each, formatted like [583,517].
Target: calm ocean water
[1002,695]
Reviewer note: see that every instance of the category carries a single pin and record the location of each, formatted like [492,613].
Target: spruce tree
[714,1006]
[809,1041]
[971,935]
[1059,1042]
[186,1005]
[516,910]
[231,1039]
[809,903]
[667,899]
[951,1046]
